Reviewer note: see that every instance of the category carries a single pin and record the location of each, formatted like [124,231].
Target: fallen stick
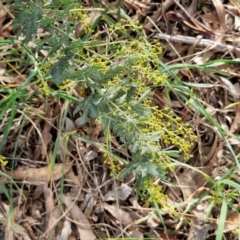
[201,42]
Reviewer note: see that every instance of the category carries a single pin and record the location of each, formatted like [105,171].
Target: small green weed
[119,76]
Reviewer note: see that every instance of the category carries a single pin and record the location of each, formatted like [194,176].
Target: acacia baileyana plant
[120,73]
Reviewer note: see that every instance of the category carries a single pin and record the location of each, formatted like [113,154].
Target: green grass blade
[222,219]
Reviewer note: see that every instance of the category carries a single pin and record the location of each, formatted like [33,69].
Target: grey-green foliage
[29,22]
[116,91]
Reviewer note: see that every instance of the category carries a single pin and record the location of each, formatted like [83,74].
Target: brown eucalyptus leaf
[46,137]
[29,230]
[203,57]
[38,176]
[66,231]
[8,234]
[69,125]
[72,178]
[82,223]
[136,234]
[135,204]
[96,132]
[79,122]
[198,231]
[121,215]
[236,122]
[49,205]
[220,12]
[2,69]
[153,221]
[192,8]
[237,23]
[3,15]
[149,25]
[66,144]
[72,237]
[232,89]
[232,222]
[16,228]
[38,191]
[121,193]
[90,155]
[88,204]
[200,211]
[234,141]
[137,4]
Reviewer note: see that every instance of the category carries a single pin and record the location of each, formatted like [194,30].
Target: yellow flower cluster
[154,193]
[83,18]
[3,160]
[68,85]
[44,88]
[138,57]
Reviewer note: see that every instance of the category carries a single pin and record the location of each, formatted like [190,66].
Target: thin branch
[200,43]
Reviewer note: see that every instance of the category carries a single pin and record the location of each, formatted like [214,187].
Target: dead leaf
[8,234]
[90,155]
[192,8]
[153,221]
[136,234]
[210,19]
[186,72]
[148,26]
[197,231]
[3,15]
[16,228]
[121,215]
[137,5]
[72,237]
[236,122]
[203,57]
[231,88]
[221,13]
[38,176]
[88,204]
[200,211]
[38,191]
[237,23]
[45,139]
[96,132]
[165,236]
[136,205]
[66,231]
[121,193]
[66,144]
[160,98]
[79,122]
[49,205]
[232,223]
[72,178]
[2,69]
[83,225]
[184,19]
[234,141]
[29,230]
[69,125]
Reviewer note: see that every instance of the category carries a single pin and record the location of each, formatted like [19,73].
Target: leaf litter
[92,206]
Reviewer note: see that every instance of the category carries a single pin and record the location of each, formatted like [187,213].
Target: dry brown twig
[220,47]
